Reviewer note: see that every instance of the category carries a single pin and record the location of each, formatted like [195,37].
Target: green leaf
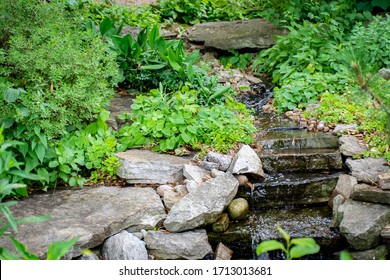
[284,234]
[59,249]
[11,95]
[153,67]
[72,182]
[53,164]
[6,254]
[10,218]
[345,255]
[105,26]
[302,247]
[40,151]
[22,249]
[186,137]
[269,245]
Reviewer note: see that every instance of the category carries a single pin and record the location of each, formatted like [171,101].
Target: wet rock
[146,167]
[369,193]
[223,161]
[246,161]
[351,146]
[384,181]
[190,245]
[233,35]
[367,170]
[337,201]
[202,206]
[385,233]
[92,214]
[124,246]
[377,253]
[341,128]
[344,187]
[195,173]
[221,224]
[222,252]
[362,222]
[385,73]
[238,209]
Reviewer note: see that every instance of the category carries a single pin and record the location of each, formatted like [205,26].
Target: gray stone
[246,161]
[369,193]
[384,181]
[362,222]
[163,189]
[119,105]
[252,79]
[171,197]
[341,128]
[238,209]
[377,253]
[90,256]
[190,245]
[202,206]
[337,201]
[223,161]
[92,214]
[222,252]
[195,173]
[146,167]
[351,146]
[344,187]
[367,170]
[191,185]
[216,173]
[124,246]
[181,189]
[385,73]
[229,35]
[385,233]
[209,165]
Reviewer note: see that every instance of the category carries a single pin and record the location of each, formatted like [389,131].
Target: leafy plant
[237,60]
[293,248]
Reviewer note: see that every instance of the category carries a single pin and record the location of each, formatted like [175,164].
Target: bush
[54,70]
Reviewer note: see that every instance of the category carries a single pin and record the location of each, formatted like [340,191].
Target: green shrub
[166,122]
[54,71]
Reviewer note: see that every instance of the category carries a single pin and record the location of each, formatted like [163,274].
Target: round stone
[238,209]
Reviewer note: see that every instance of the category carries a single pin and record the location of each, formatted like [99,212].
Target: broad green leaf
[284,234]
[41,136]
[22,249]
[72,182]
[6,254]
[11,95]
[153,67]
[40,151]
[269,245]
[25,175]
[345,255]
[186,137]
[53,164]
[302,247]
[105,26]
[59,249]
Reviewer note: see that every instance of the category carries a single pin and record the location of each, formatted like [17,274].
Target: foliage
[237,60]
[166,122]
[363,5]
[294,248]
[54,71]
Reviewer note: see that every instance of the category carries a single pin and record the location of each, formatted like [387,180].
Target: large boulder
[92,214]
[361,223]
[190,245]
[241,34]
[146,167]
[202,206]
[124,246]
[367,170]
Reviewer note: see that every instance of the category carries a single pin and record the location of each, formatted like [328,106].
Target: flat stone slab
[147,167]
[241,34]
[367,170]
[92,214]
[351,146]
[364,192]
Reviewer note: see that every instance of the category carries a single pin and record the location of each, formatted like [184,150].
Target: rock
[252,79]
[124,246]
[351,146]
[119,105]
[361,223]
[385,233]
[222,252]
[337,201]
[222,224]
[377,253]
[223,161]
[181,189]
[238,209]
[385,73]
[344,128]
[233,35]
[216,173]
[209,165]
[146,167]
[242,180]
[367,170]
[90,256]
[202,206]
[195,173]
[368,193]
[344,187]
[170,198]
[384,181]
[92,214]
[191,185]
[246,161]
[163,189]
[190,245]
